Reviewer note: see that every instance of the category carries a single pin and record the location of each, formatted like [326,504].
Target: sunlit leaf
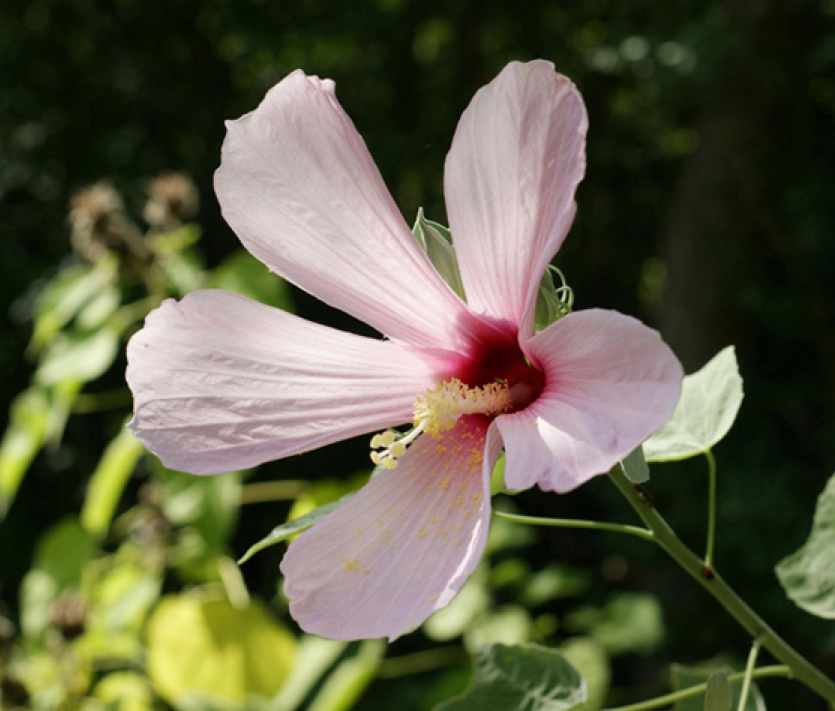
[808,575]
[199,647]
[125,691]
[554,581]
[686,677]
[314,656]
[22,441]
[67,294]
[108,480]
[78,355]
[287,530]
[436,241]
[350,678]
[100,308]
[522,678]
[709,403]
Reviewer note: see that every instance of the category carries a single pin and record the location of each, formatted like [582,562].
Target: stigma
[437,411]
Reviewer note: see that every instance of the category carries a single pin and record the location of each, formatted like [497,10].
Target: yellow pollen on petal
[439,409]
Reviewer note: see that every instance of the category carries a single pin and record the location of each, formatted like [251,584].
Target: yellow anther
[389,463]
[388,438]
[440,408]
[398,449]
[375,457]
[376,442]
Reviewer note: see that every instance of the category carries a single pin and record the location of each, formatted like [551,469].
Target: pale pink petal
[402,547]
[221,383]
[298,186]
[516,159]
[610,383]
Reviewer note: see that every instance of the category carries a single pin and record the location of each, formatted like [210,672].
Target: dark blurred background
[708,211]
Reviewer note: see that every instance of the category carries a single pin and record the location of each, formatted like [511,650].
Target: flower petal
[402,547]
[298,186]
[221,383]
[510,176]
[610,383]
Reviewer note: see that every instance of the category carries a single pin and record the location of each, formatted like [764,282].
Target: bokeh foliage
[707,212]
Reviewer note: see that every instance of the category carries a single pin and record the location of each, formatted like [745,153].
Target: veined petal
[510,176]
[222,383]
[402,547]
[610,383]
[300,189]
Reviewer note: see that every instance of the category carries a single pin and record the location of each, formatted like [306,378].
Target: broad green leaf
[808,575]
[125,691]
[635,467]
[61,556]
[108,480]
[590,659]
[436,241]
[243,274]
[522,678]
[314,656]
[77,355]
[686,677]
[710,400]
[631,622]
[719,695]
[101,307]
[201,647]
[292,528]
[346,683]
[23,439]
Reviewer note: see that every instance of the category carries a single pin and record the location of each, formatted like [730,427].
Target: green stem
[711,510]
[690,691]
[749,672]
[574,523]
[711,581]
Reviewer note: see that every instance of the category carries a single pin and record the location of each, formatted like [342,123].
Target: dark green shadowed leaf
[292,528]
[710,400]
[808,575]
[522,678]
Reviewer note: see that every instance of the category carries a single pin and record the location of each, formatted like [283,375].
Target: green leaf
[125,691]
[509,624]
[591,660]
[350,678]
[523,678]
[61,556]
[632,622]
[314,656]
[719,695]
[198,647]
[471,601]
[808,575]
[292,528]
[77,355]
[635,467]
[108,480]
[686,677]
[66,295]
[436,241]
[23,439]
[243,274]
[710,400]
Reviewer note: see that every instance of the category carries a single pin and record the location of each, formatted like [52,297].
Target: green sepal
[635,466]
[436,241]
[553,301]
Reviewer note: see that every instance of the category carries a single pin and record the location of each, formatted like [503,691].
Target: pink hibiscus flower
[223,383]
